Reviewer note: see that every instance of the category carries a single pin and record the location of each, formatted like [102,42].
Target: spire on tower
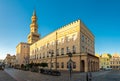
[34,13]
[34,17]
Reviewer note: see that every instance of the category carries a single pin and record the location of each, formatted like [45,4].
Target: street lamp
[51,52]
[70,64]
[89,74]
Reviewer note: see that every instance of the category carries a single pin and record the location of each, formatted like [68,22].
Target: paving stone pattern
[5,77]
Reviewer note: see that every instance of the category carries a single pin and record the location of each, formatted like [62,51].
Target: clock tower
[33,36]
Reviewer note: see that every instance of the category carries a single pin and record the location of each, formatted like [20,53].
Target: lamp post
[89,74]
[70,64]
[51,52]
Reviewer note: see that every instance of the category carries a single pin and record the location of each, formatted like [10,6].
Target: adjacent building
[1,61]
[115,62]
[107,61]
[22,53]
[10,60]
[98,55]
[74,38]
[104,61]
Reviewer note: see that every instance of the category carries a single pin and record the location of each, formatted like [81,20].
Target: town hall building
[74,38]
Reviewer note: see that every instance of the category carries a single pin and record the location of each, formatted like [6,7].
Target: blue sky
[102,17]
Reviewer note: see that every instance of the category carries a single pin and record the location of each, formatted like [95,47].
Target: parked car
[50,72]
[56,73]
[108,69]
[1,68]
[34,69]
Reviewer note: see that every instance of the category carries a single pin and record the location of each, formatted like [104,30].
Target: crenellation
[69,25]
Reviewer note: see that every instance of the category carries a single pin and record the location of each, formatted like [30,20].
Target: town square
[59,40]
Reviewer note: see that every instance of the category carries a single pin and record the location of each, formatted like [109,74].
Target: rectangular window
[116,66]
[67,49]
[57,52]
[57,65]
[62,51]
[40,56]
[62,65]
[73,37]
[37,49]
[43,55]
[83,49]
[83,38]
[74,49]
[52,53]
[67,38]
[47,45]
[62,40]
[53,43]
[36,56]
[74,65]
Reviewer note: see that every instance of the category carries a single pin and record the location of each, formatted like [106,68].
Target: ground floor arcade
[83,62]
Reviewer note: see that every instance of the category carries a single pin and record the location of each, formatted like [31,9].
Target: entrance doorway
[82,66]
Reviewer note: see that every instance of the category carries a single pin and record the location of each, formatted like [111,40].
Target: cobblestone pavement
[5,77]
[20,75]
[110,76]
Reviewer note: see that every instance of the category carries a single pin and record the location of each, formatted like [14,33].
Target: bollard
[89,76]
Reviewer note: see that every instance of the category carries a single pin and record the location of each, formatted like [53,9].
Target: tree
[109,55]
[30,65]
[44,65]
